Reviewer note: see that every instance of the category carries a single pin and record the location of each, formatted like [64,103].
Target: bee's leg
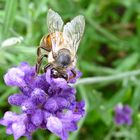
[40,57]
[47,67]
[39,62]
[39,50]
[55,73]
[65,76]
[74,74]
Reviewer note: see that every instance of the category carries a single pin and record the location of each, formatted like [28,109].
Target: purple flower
[14,77]
[78,75]
[55,126]
[63,123]
[16,124]
[123,114]
[45,102]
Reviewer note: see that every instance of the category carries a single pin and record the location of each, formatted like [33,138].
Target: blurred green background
[110,46]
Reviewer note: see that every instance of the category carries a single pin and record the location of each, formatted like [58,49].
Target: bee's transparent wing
[54,22]
[55,25]
[73,32]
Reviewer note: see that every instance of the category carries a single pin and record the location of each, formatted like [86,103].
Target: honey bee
[60,45]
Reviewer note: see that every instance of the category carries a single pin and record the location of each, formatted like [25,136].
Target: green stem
[120,76]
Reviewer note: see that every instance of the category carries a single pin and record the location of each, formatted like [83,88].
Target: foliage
[110,46]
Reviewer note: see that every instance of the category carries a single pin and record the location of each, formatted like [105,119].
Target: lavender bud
[51,105]
[123,114]
[38,96]
[37,117]
[15,77]
[16,99]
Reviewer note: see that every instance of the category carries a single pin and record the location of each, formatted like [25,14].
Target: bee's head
[63,58]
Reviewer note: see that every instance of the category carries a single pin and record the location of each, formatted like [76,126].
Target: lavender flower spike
[45,102]
[123,114]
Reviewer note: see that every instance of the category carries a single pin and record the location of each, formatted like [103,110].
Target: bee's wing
[54,21]
[73,32]
[55,25]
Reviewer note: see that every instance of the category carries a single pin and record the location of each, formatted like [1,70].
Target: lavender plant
[123,114]
[109,57]
[47,103]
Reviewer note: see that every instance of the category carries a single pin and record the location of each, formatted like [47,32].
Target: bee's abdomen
[46,43]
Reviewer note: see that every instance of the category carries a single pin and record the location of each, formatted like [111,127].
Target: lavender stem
[120,76]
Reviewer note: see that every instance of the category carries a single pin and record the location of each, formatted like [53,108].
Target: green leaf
[129,62]
[100,107]
[136,98]
[10,13]
[53,137]
[118,97]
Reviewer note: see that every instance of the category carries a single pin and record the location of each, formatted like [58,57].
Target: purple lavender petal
[25,67]
[48,76]
[69,116]
[127,119]
[40,82]
[30,127]
[78,75]
[64,135]
[17,99]
[119,120]
[9,130]
[70,126]
[29,73]
[10,116]
[51,105]
[37,117]
[46,115]
[68,91]
[38,96]
[60,83]
[28,70]
[123,115]
[56,82]
[4,122]
[28,106]
[61,102]
[15,77]
[55,125]
[70,98]
[19,130]
[15,124]
[127,109]
[79,109]
[119,108]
